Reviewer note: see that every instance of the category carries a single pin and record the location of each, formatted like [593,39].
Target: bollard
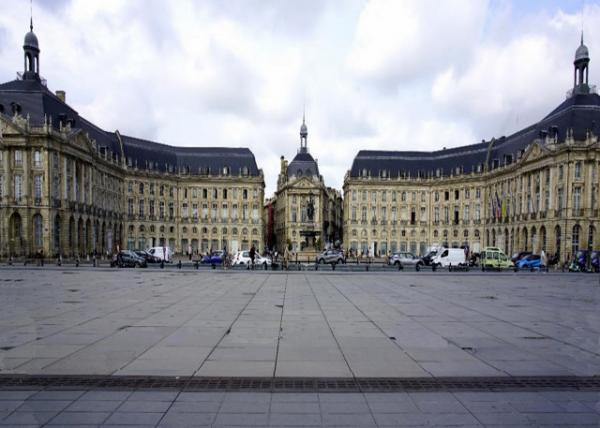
[179,264]
[367,267]
[196,265]
[58,262]
[94,261]
[399,266]
[10,260]
[316,266]
[265,265]
[77,262]
[333,266]
[213,266]
[25,262]
[162,264]
[42,261]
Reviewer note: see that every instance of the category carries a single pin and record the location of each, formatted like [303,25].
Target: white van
[450,256]
[159,252]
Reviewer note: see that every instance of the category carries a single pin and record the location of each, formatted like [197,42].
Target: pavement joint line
[280,327]
[252,297]
[337,342]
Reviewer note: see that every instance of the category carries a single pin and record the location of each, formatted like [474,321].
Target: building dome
[582,51]
[303,129]
[31,41]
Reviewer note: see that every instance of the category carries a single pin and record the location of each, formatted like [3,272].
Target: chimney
[61,96]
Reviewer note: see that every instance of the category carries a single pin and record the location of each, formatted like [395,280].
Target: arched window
[37,230]
[575,240]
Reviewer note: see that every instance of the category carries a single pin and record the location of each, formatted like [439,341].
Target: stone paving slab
[174,409]
[262,324]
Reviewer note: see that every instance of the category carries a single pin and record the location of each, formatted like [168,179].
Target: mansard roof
[33,98]
[305,163]
[579,114]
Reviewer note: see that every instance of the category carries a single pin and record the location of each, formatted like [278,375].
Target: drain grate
[303,384]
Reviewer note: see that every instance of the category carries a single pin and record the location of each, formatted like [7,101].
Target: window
[436,196]
[354,196]
[1,186]
[184,210]
[224,212]
[151,207]
[204,211]
[560,172]
[245,194]
[457,194]
[18,187]
[130,206]
[477,212]
[141,188]
[37,158]
[255,213]
[477,193]
[294,215]
[245,212]
[578,169]
[152,188]
[185,193]
[436,214]
[195,211]
[37,187]
[353,218]
[467,193]
[373,196]
[446,195]
[394,196]
[423,197]
[171,210]
[141,207]
[161,208]
[577,198]
[384,196]
[466,212]
[18,158]
[224,193]
[213,212]
[162,190]
[559,199]
[363,213]
[403,197]
[234,211]
[171,191]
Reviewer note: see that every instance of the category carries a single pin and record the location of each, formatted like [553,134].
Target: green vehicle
[494,258]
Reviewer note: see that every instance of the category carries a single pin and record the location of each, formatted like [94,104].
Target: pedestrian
[543,260]
[190,251]
[252,255]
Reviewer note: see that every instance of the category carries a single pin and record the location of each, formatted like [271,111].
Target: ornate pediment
[534,152]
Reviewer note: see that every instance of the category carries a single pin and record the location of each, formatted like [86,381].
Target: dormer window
[383,173]
[225,170]
[495,163]
[245,171]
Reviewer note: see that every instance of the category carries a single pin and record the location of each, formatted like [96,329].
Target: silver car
[403,258]
[330,256]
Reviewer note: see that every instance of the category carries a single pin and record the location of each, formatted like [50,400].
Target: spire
[303,134]
[580,72]
[30,15]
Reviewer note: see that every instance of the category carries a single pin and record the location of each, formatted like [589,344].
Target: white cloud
[384,74]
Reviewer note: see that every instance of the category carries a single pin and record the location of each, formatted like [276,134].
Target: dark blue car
[216,258]
[532,261]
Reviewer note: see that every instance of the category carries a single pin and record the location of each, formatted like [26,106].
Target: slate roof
[579,113]
[304,162]
[37,101]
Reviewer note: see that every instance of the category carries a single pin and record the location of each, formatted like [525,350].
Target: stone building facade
[534,190]
[306,214]
[69,188]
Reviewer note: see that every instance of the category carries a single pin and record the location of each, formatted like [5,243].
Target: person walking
[252,255]
[190,252]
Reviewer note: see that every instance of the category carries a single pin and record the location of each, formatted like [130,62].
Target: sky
[381,74]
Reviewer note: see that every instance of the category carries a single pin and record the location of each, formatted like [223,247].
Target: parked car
[243,258]
[163,253]
[403,259]
[330,256]
[147,256]
[127,258]
[532,261]
[518,256]
[450,257]
[494,258]
[215,258]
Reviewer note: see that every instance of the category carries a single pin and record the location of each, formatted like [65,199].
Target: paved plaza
[323,325]
[135,322]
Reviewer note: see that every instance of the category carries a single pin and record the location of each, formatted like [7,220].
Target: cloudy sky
[393,75]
